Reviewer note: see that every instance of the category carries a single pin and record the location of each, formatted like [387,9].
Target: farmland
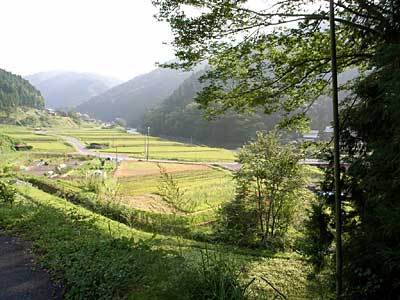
[133,145]
[94,201]
[36,139]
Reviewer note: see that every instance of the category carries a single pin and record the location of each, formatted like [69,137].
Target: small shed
[22,147]
[97,146]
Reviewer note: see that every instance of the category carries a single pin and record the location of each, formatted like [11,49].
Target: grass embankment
[97,258]
[134,145]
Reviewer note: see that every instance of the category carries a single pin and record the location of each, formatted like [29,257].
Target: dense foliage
[276,56]
[270,187]
[8,193]
[16,91]
[372,266]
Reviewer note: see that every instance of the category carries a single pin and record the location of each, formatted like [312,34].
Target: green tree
[120,122]
[8,193]
[74,116]
[271,181]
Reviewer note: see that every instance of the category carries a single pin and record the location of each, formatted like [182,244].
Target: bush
[7,193]
[237,224]
[216,277]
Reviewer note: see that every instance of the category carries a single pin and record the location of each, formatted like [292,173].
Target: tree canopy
[274,54]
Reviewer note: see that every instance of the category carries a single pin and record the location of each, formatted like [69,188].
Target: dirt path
[18,281]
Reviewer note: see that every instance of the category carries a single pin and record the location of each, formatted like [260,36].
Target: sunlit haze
[118,38]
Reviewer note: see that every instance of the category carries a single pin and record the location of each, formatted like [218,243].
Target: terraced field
[39,141]
[134,146]
[204,189]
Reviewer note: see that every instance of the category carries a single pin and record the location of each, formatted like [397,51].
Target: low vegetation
[95,257]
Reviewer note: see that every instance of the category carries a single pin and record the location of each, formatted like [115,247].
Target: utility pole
[148,143]
[338,203]
[145,145]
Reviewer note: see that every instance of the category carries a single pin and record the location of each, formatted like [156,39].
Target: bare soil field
[139,168]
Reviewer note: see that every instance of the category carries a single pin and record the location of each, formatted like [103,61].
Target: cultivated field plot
[39,142]
[134,146]
[204,188]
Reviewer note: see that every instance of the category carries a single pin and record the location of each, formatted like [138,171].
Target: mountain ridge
[66,89]
[131,99]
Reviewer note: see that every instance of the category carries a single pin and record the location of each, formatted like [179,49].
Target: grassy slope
[89,253]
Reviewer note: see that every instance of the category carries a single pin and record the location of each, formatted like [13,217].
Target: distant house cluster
[317,135]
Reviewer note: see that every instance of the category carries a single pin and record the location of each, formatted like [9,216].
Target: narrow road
[18,280]
[81,149]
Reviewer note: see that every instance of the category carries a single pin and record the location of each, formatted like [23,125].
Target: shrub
[216,277]
[7,193]
[237,223]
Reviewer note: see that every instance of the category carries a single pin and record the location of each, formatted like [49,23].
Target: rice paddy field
[39,141]
[133,145]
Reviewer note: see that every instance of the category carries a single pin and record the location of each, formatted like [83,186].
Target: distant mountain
[16,91]
[64,89]
[132,99]
[178,116]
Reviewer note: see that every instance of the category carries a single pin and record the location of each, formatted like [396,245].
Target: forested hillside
[16,91]
[132,99]
[180,116]
[62,89]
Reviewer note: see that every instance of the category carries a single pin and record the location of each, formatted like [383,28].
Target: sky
[117,38]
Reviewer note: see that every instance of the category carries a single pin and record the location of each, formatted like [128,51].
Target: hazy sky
[118,38]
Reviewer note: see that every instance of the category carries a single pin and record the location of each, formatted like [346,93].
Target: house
[51,112]
[311,136]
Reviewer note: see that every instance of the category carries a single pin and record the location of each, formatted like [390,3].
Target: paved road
[17,279]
